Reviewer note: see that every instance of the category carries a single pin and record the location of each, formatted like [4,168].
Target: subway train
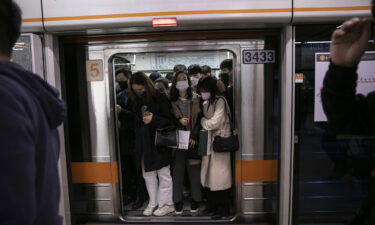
[282,171]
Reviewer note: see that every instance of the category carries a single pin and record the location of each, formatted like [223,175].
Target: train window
[335,190]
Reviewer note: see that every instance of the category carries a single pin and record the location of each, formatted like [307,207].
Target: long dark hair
[140,78]
[174,93]
[164,81]
[127,73]
[208,84]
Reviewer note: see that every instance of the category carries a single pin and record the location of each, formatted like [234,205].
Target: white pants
[160,192]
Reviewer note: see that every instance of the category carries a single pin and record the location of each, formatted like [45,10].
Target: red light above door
[164,22]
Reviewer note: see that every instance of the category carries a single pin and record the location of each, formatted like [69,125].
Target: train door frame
[194,45]
[182,46]
[287,125]
[53,75]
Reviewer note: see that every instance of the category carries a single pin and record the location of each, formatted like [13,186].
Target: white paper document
[183,139]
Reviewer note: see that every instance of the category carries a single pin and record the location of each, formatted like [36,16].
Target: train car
[77,46]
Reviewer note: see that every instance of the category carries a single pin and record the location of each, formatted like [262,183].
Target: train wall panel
[329,10]
[258,190]
[257,206]
[31,15]
[62,15]
[98,193]
[97,14]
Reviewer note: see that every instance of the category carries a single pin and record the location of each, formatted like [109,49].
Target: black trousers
[219,201]
[180,165]
[132,179]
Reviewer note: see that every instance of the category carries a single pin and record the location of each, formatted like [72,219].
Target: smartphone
[144,110]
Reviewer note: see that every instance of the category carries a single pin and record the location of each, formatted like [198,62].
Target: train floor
[186,216]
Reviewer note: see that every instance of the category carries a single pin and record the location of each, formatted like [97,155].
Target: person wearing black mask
[134,190]
[152,111]
[162,85]
[226,75]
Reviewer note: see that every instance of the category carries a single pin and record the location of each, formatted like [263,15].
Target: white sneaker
[149,210]
[164,210]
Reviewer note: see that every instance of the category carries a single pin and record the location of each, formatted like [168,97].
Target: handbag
[227,144]
[166,137]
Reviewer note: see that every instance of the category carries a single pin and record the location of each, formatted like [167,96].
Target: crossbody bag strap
[231,122]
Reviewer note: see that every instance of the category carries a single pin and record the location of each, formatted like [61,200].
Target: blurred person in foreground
[30,113]
[350,113]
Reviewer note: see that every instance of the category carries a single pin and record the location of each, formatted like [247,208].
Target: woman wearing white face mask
[187,113]
[216,174]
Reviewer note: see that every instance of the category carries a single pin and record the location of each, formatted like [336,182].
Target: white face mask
[194,81]
[182,85]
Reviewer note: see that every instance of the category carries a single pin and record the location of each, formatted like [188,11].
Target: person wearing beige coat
[216,166]
[216,174]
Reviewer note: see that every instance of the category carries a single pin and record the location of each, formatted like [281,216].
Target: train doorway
[97,184]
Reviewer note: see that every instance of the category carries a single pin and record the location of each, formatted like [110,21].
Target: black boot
[222,212]
[209,211]
[223,205]
[138,203]
[211,208]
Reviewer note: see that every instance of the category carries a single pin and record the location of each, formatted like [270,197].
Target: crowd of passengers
[191,99]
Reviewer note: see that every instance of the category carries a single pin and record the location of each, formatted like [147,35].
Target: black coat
[154,159]
[30,112]
[351,114]
[126,119]
[347,112]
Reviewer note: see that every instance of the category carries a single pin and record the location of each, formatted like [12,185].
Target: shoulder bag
[227,144]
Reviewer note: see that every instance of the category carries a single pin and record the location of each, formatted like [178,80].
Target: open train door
[89,87]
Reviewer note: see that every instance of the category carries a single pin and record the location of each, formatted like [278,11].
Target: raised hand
[350,42]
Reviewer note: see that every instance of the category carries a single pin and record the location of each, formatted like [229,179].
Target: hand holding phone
[144,110]
[147,116]
[118,108]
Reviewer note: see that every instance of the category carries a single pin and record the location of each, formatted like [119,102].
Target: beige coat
[216,171]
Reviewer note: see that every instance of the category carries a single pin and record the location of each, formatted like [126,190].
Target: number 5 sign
[94,70]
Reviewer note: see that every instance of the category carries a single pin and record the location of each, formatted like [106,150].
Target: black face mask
[141,94]
[161,90]
[225,78]
[123,85]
